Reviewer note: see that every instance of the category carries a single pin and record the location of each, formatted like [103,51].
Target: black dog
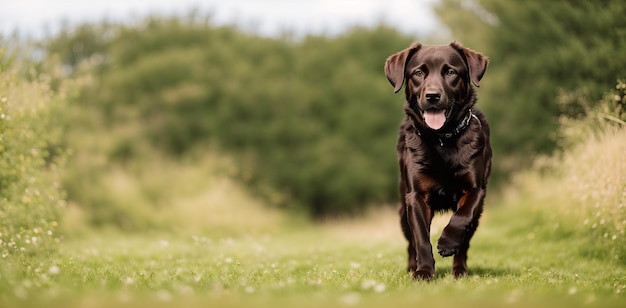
[443,150]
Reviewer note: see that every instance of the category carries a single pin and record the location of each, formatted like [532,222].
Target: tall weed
[582,117]
[595,169]
[583,186]
[31,197]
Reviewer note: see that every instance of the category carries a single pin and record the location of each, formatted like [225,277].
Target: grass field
[556,239]
[517,258]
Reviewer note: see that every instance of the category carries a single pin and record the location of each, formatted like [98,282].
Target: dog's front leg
[419,216]
[463,223]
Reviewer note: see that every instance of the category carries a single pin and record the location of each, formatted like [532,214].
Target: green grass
[556,239]
[518,257]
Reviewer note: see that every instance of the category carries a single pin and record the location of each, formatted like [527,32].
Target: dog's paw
[459,266]
[423,274]
[447,248]
[450,241]
[459,272]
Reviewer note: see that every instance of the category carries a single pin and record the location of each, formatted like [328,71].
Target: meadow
[540,244]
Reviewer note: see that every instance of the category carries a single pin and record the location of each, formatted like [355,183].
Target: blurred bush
[31,196]
[311,124]
[583,118]
[585,183]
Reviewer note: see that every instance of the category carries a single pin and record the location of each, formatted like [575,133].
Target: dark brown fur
[444,169]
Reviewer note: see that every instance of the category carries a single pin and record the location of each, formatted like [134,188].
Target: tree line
[311,122]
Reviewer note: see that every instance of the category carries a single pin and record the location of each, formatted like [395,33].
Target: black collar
[459,128]
[456,131]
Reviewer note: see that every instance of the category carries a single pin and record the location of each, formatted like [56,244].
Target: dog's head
[438,80]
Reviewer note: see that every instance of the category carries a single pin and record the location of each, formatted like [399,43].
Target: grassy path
[517,258]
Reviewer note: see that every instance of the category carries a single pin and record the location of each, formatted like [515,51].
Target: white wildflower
[53,270]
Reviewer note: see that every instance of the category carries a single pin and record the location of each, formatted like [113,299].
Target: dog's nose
[433,97]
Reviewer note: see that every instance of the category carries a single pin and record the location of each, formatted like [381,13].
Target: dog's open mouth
[435,118]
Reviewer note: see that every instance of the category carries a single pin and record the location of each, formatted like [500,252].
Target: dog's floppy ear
[476,62]
[394,66]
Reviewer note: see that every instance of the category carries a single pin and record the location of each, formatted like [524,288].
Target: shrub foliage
[31,196]
[311,123]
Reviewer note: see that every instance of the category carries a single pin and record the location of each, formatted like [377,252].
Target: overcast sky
[266,17]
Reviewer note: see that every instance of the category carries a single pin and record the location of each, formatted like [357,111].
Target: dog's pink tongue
[435,118]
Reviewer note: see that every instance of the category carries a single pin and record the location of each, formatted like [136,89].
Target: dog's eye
[419,73]
[451,72]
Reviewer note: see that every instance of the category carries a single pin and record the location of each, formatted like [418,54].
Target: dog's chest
[441,179]
[447,158]
[438,172]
